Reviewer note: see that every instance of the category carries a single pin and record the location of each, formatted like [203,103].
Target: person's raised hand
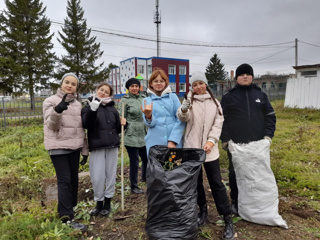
[63,105]
[147,109]
[94,104]
[185,105]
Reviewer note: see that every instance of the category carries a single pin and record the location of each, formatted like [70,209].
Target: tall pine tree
[82,49]
[27,61]
[215,70]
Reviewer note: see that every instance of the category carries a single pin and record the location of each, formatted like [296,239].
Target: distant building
[307,71]
[303,91]
[176,69]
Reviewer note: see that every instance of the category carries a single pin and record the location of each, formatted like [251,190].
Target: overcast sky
[208,22]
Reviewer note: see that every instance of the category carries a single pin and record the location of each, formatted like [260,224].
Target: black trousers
[217,187]
[67,166]
[232,180]
[134,153]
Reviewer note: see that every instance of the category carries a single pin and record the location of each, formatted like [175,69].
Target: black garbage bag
[172,194]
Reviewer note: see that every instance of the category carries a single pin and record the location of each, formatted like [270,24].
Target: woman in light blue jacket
[159,109]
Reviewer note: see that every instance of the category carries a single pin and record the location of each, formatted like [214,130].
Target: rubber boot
[203,215]
[97,209]
[228,233]
[106,207]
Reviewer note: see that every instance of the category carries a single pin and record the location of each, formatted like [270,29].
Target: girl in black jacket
[102,121]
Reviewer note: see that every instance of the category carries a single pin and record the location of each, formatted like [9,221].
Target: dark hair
[108,85]
[212,96]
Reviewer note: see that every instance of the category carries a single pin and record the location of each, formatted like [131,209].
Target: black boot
[97,209]
[106,207]
[234,207]
[228,231]
[202,215]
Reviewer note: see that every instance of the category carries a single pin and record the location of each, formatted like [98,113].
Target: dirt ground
[303,221]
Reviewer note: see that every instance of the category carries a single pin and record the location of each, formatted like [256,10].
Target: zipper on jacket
[248,104]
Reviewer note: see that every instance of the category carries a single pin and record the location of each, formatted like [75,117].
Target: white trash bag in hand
[258,192]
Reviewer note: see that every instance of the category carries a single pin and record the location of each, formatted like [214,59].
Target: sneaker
[137,190]
[76,225]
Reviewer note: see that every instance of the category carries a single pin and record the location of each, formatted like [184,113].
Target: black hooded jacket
[103,126]
[248,115]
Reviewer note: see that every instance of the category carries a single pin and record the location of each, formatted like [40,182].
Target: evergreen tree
[82,49]
[215,70]
[110,66]
[26,59]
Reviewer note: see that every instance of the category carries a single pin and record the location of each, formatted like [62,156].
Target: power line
[182,43]
[309,44]
[272,55]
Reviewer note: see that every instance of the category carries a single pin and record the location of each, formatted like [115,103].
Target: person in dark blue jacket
[102,121]
[248,116]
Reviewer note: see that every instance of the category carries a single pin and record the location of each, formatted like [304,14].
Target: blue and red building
[176,69]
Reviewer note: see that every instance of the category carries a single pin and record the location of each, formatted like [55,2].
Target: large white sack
[258,192]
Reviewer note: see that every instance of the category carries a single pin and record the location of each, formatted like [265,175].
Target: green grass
[295,150]
[24,163]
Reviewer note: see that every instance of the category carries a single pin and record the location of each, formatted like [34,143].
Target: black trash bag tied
[172,194]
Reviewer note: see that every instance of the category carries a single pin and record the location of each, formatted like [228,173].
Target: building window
[141,69]
[149,69]
[182,87]
[308,73]
[173,87]
[172,69]
[182,70]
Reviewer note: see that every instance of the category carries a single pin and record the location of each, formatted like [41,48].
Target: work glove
[84,160]
[185,105]
[63,105]
[225,146]
[94,104]
[269,139]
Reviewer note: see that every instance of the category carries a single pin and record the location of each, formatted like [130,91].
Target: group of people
[244,115]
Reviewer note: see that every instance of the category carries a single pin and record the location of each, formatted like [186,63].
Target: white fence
[303,93]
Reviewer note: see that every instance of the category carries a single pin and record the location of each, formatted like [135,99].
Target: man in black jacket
[248,116]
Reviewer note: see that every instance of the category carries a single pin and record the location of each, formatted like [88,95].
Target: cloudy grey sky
[204,22]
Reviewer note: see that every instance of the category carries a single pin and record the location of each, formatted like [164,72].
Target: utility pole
[296,55]
[157,20]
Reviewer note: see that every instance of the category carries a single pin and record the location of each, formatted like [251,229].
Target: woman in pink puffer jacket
[204,118]
[64,138]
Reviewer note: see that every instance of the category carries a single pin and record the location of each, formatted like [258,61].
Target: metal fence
[272,93]
[18,112]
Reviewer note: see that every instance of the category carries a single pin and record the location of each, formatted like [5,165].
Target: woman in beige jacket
[204,118]
[64,138]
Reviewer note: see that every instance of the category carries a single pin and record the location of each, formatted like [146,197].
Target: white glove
[269,139]
[185,105]
[94,104]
